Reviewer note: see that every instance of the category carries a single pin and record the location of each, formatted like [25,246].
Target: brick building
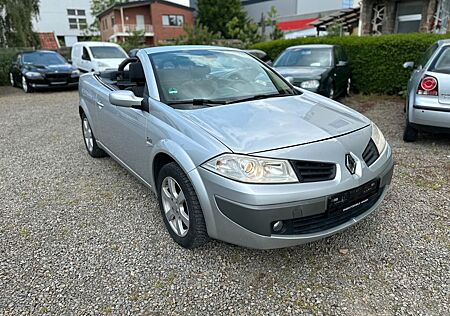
[160,20]
[404,16]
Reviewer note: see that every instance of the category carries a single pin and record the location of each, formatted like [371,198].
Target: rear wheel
[349,86]
[89,139]
[331,91]
[410,133]
[180,208]
[11,80]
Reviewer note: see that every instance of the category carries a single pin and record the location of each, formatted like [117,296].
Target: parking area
[82,236]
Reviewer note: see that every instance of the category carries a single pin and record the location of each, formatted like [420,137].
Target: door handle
[100,105]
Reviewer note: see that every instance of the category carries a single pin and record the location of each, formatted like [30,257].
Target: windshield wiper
[262,96]
[199,102]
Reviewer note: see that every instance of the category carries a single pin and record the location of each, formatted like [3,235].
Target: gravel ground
[81,236]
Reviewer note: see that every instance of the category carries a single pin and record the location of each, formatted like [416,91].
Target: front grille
[312,171]
[370,154]
[57,75]
[342,207]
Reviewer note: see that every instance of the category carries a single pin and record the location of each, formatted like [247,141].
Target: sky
[183,2]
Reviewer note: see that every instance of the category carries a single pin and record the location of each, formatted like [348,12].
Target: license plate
[349,199]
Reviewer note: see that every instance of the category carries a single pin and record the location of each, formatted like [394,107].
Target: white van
[97,56]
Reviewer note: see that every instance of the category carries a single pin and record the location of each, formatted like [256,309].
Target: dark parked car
[319,68]
[42,69]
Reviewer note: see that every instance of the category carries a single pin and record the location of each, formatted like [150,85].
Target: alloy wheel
[349,85]
[24,84]
[87,133]
[331,96]
[175,206]
[11,79]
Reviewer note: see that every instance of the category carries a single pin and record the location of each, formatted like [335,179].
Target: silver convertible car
[232,150]
[428,95]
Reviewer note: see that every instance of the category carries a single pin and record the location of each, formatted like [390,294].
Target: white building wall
[53,17]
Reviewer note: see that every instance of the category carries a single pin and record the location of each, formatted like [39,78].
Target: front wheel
[331,91]
[89,139]
[180,208]
[26,86]
[349,87]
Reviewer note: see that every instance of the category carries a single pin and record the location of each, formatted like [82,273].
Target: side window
[429,52]
[442,62]
[337,55]
[85,55]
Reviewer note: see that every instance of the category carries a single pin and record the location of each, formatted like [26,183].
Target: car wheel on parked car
[89,139]
[349,87]
[180,208]
[25,86]
[410,133]
[11,80]
[331,92]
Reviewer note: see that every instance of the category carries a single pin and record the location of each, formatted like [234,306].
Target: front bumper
[53,82]
[243,214]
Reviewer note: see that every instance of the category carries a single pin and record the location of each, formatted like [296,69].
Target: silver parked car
[232,150]
[428,94]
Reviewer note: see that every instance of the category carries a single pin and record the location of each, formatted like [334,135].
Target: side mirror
[290,80]
[408,64]
[125,98]
[342,63]
[69,61]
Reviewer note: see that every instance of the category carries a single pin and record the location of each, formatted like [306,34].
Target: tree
[247,32]
[98,6]
[272,17]
[216,14]
[135,40]
[16,28]
[197,35]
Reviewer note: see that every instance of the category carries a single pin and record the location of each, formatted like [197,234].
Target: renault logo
[350,163]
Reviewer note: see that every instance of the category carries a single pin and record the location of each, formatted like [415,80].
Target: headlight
[75,73]
[33,74]
[310,84]
[252,169]
[378,138]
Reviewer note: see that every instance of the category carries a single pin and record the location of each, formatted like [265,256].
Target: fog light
[277,226]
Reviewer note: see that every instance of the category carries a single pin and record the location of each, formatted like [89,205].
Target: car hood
[302,72]
[262,125]
[51,68]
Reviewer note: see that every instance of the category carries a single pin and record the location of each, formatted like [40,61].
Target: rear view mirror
[408,64]
[125,98]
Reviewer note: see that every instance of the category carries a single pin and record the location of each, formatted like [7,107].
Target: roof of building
[48,40]
[296,24]
[138,3]
[345,17]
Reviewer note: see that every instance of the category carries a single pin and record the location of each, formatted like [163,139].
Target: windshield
[305,57]
[103,52]
[43,58]
[213,75]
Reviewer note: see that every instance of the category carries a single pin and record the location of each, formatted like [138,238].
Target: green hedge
[6,54]
[376,61]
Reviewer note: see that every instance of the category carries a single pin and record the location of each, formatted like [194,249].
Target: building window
[82,23]
[73,25]
[172,20]
[409,16]
[78,12]
[113,21]
[81,12]
[71,12]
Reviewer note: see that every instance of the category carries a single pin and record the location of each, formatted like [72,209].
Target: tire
[89,139]
[349,87]
[410,133]
[181,210]
[11,80]
[25,86]
[332,91]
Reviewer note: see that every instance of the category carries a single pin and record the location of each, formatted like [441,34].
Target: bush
[6,54]
[376,61]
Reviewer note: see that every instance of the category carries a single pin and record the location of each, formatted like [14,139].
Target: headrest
[136,72]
